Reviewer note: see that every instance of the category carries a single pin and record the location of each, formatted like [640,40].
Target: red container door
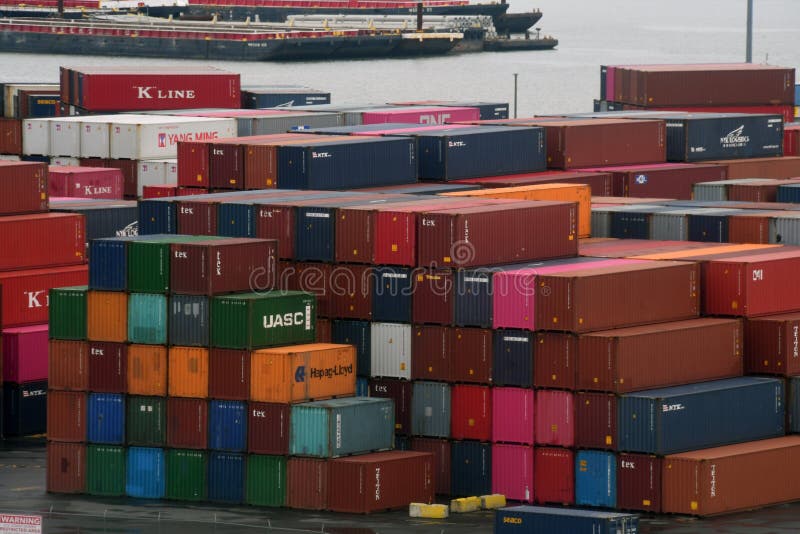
[226,166]
[595,421]
[431,349]
[307,484]
[400,392]
[639,482]
[554,418]
[268,428]
[277,222]
[196,217]
[66,467]
[351,292]
[355,235]
[395,238]
[187,423]
[108,367]
[42,240]
[472,356]
[193,159]
[229,374]
[554,476]
[23,185]
[66,420]
[440,448]
[554,360]
[433,297]
[471,412]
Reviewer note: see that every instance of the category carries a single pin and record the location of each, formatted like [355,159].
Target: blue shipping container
[698,416]
[391,295]
[284,97]
[226,472]
[539,519]
[236,220]
[117,219]
[596,479]
[106,418]
[108,266]
[23,408]
[789,193]
[470,468]
[188,320]
[227,425]
[362,387]
[147,318]
[512,358]
[711,228]
[358,334]
[793,404]
[42,106]
[158,216]
[146,473]
[630,225]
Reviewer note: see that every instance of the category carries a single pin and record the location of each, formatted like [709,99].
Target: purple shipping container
[512,415]
[24,354]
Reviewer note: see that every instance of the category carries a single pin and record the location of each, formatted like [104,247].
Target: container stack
[23,101]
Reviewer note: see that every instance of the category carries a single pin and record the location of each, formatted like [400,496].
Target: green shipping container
[147,319]
[105,470]
[186,475]
[148,262]
[258,320]
[266,480]
[146,421]
[68,312]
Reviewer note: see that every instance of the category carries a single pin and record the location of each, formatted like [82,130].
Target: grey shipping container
[785,229]
[793,404]
[718,189]
[535,519]
[390,345]
[289,122]
[673,225]
[430,409]
[188,320]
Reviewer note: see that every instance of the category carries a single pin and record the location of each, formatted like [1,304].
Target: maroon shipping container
[68,365]
[108,367]
[639,482]
[223,266]
[324,331]
[351,289]
[431,349]
[759,191]
[42,240]
[662,355]
[10,136]
[752,228]
[440,448]
[490,235]
[310,277]
[471,360]
[666,180]
[66,467]
[307,483]
[193,157]
[777,167]
[380,481]
[268,428]
[400,392]
[554,360]
[187,423]
[196,217]
[228,374]
[471,412]
[86,182]
[601,183]
[433,296]
[277,222]
[554,475]
[226,165]
[25,293]
[772,345]
[23,187]
[66,416]
[595,420]
[648,292]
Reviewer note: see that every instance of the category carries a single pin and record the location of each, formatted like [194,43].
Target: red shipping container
[159,191]
[400,393]
[440,449]
[554,418]
[228,374]
[187,423]
[276,222]
[268,428]
[66,467]
[554,475]
[762,191]
[472,355]
[189,191]
[663,180]
[420,115]
[196,217]
[791,139]
[108,367]
[223,266]
[307,483]
[595,420]
[106,88]
[431,347]
[554,360]
[68,365]
[23,187]
[639,482]
[512,415]
[777,167]
[24,354]
[751,228]
[753,285]
[25,293]
[42,240]
[323,331]
[772,345]
[351,292]
[66,416]
[193,157]
[86,182]
[10,136]
[226,165]
[380,481]
[601,183]
[433,297]
[471,412]
[129,168]
[512,471]
[310,277]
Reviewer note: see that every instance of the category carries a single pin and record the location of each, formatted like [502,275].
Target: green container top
[146,421]
[266,480]
[186,475]
[148,261]
[105,470]
[67,310]
[258,320]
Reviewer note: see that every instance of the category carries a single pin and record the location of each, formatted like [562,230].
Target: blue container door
[473,298]
[596,479]
[23,408]
[626,225]
[362,387]
[236,220]
[226,473]
[106,418]
[788,193]
[793,404]
[188,320]
[512,358]
[391,296]
[432,162]
[147,318]
[108,265]
[470,468]
[227,425]
[145,474]
[157,217]
[314,234]
[708,228]
[358,334]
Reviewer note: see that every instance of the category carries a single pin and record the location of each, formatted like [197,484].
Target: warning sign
[20,524]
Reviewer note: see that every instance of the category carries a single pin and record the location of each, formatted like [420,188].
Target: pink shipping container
[554,418]
[512,471]
[554,475]
[86,182]
[419,115]
[512,415]
[24,354]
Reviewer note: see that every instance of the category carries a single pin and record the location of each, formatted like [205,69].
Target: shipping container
[323,334]
[25,408]
[512,415]
[639,482]
[266,480]
[186,475]
[307,483]
[472,350]
[541,519]
[268,428]
[41,240]
[23,186]
[104,218]
[666,180]
[392,294]
[351,292]
[513,358]
[67,312]
[66,467]
[146,369]
[512,471]
[145,421]
[471,416]
[256,97]
[313,278]
[430,409]
[67,421]
[554,475]
[187,423]
[229,374]
[390,347]
[147,318]
[771,345]
[24,354]
[85,182]
[400,393]
[554,360]
[145,473]
[105,470]
[106,418]
[227,425]
[683,418]
[188,372]
[336,427]
[487,110]
[434,293]
[440,448]
[470,468]
[554,418]
[11,136]
[138,137]
[359,335]
[596,479]
[188,320]
[68,367]
[595,420]
[432,350]
[226,477]
[108,367]
[107,316]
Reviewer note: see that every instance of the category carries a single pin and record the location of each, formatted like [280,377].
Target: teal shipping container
[339,427]
[147,318]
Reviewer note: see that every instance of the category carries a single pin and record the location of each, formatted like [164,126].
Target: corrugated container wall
[430,415]
[596,479]
[554,479]
[537,519]
[470,468]
[145,473]
[390,347]
[512,471]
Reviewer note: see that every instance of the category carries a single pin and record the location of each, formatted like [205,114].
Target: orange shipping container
[107,316]
[147,370]
[68,365]
[690,254]
[188,372]
[580,193]
[302,372]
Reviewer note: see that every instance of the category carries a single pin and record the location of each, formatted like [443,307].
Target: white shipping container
[96,133]
[390,350]
[65,162]
[65,137]
[157,137]
[36,137]
[157,172]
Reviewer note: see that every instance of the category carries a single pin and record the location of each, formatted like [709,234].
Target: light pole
[749,49]
[515,95]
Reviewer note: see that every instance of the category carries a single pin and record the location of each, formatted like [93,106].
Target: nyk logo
[152,92]
[672,407]
[320,155]
[452,144]
[735,138]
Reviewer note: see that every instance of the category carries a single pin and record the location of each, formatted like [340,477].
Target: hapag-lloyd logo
[151,92]
[735,138]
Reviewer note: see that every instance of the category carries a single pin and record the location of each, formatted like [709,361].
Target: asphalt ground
[22,491]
